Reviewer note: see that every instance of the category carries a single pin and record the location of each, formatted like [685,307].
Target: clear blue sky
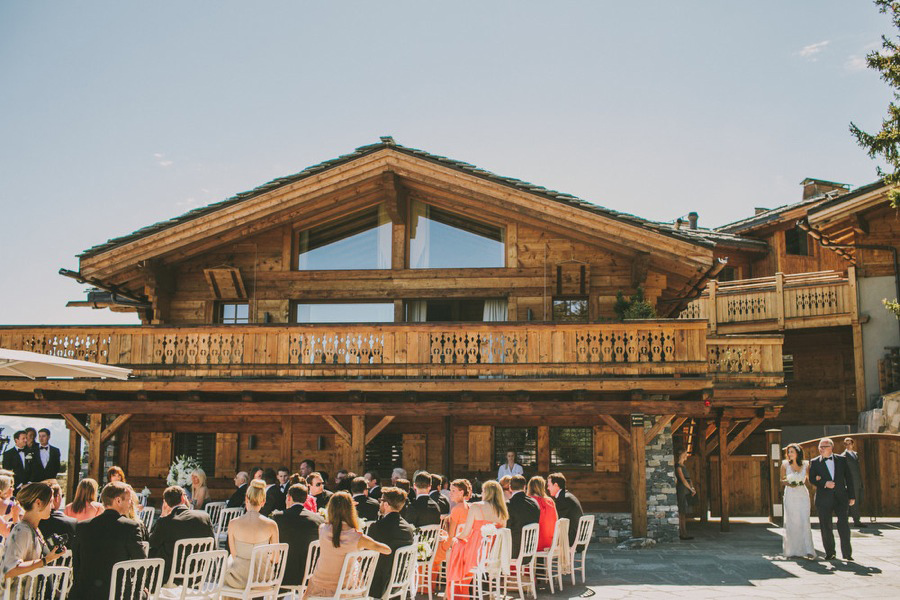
[115,115]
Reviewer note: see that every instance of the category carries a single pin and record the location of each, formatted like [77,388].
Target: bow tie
[830,458]
[45,447]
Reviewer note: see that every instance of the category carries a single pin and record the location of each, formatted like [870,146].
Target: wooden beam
[749,428]
[703,475]
[73,464]
[731,427]
[657,427]
[677,423]
[287,442]
[543,448]
[114,427]
[638,478]
[615,426]
[75,425]
[95,447]
[338,428]
[357,444]
[384,422]
[639,269]
[724,477]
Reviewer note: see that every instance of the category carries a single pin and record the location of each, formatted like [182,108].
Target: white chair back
[214,509]
[445,522]
[65,559]
[356,575]
[147,514]
[136,579]
[429,534]
[267,567]
[183,549]
[312,560]
[204,574]
[401,573]
[225,517]
[583,535]
[47,582]
[529,543]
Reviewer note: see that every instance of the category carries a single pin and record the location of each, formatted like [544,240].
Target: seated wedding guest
[241,481]
[310,503]
[567,505]
[133,512]
[25,549]
[373,484]
[504,485]
[199,491]
[338,536]
[46,458]
[115,473]
[393,531]
[57,522]
[307,467]
[436,495]
[9,509]
[511,467]
[339,477]
[103,541]
[283,474]
[85,505]
[403,484]
[423,510]
[274,497]
[256,473]
[19,459]
[464,553]
[178,522]
[537,490]
[344,485]
[366,508]
[397,474]
[317,489]
[460,493]
[297,527]
[247,532]
[523,510]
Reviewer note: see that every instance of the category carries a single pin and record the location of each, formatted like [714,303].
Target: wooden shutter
[226,454]
[606,450]
[226,283]
[481,447]
[160,454]
[413,452]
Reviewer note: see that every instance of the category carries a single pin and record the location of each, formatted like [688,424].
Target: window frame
[178,439]
[499,451]
[798,246]
[296,303]
[588,449]
[563,298]
[220,318]
[478,221]
[380,212]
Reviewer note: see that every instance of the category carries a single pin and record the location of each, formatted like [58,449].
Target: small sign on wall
[637,420]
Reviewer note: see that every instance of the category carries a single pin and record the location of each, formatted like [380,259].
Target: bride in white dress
[797,530]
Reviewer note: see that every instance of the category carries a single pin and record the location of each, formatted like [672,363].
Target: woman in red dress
[537,489]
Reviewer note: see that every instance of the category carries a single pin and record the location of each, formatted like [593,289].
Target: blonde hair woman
[537,489]
[247,532]
[464,553]
[9,508]
[85,505]
[199,491]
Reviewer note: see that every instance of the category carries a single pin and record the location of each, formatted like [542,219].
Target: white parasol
[18,363]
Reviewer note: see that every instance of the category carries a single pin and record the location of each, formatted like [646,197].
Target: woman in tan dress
[338,536]
[247,532]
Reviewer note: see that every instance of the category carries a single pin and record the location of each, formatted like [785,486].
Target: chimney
[759,210]
[692,219]
[817,187]
[678,223]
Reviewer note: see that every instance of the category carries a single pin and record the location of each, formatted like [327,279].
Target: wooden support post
[773,450]
[114,427]
[379,427]
[73,466]
[749,428]
[712,312]
[95,447]
[543,448]
[724,475]
[338,428]
[75,425]
[448,447]
[287,442]
[859,370]
[638,478]
[779,299]
[357,444]
[703,475]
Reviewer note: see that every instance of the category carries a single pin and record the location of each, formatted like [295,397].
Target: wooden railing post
[773,449]
[724,475]
[859,371]
[638,478]
[779,299]
[95,447]
[713,311]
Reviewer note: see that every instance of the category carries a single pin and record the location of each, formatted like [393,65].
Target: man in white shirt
[511,467]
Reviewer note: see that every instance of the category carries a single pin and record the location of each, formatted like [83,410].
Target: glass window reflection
[443,240]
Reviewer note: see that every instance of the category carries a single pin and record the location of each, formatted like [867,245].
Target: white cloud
[810,51]
[856,63]
[162,161]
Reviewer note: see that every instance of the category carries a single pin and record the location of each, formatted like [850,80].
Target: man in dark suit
[297,527]
[242,481]
[317,489]
[58,523]
[392,530]
[284,474]
[834,495]
[423,510]
[852,457]
[567,505]
[101,542]
[437,496]
[366,508]
[19,459]
[178,522]
[46,458]
[374,486]
[274,497]
[522,509]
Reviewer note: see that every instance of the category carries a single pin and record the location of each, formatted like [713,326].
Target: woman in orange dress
[537,489]
[464,550]
[460,492]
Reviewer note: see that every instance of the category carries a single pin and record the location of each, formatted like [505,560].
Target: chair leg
[429,576]
[572,563]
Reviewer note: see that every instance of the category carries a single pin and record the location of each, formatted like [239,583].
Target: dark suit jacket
[237,498]
[100,543]
[39,472]
[423,511]
[297,528]
[323,498]
[274,501]
[523,510]
[375,492]
[441,501]
[843,480]
[394,531]
[853,463]
[59,523]
[366,508]
[13,462]
[180,524]
[568,507]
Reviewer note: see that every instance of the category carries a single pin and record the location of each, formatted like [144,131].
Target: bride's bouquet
[180,471]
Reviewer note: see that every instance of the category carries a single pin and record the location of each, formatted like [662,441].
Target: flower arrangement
[180,471]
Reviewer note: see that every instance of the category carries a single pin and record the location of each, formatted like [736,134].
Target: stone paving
[744,563]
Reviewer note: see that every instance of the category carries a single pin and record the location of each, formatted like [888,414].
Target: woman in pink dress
[464,552]
[85,505]
[460,492]
[537,489]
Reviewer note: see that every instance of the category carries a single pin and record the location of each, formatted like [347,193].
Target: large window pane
[571,447]
[572,310]
[443,240]
[522,440]
[362,241]
[375,312]
[233,313]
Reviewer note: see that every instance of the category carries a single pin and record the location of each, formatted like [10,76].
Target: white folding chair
[136,579]
[429,535]
[203,577]
[582,539]
[46,582]
[356,577]
[65,560]
[546,563]
[401,573]
[147,514]
[312,559]
[523,565]
[266,572]
[445,522]
[214,509]
[487,572]
[225,517]
[183,549]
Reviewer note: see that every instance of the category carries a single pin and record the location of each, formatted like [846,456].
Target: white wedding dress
[797,530]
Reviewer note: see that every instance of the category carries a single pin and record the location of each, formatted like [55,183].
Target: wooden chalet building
[395,308]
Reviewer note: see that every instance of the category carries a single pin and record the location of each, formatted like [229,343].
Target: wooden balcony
[823,299]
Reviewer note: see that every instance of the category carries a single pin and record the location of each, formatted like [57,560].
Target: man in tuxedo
[392,530]
[241,481]
[274,497]
[46,458]
[58,523]
[522,509]
[437,496]
[307,468]
[30,439]
[366,508]
[567,505]
[423,510]
[178,522]
[852,457]
[374,487]
[834,495]
[297,527]
[317,489]
[101,542]
[19,459]
[283,475]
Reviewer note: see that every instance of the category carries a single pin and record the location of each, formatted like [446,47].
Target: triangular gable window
[360,241]
[444,240]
